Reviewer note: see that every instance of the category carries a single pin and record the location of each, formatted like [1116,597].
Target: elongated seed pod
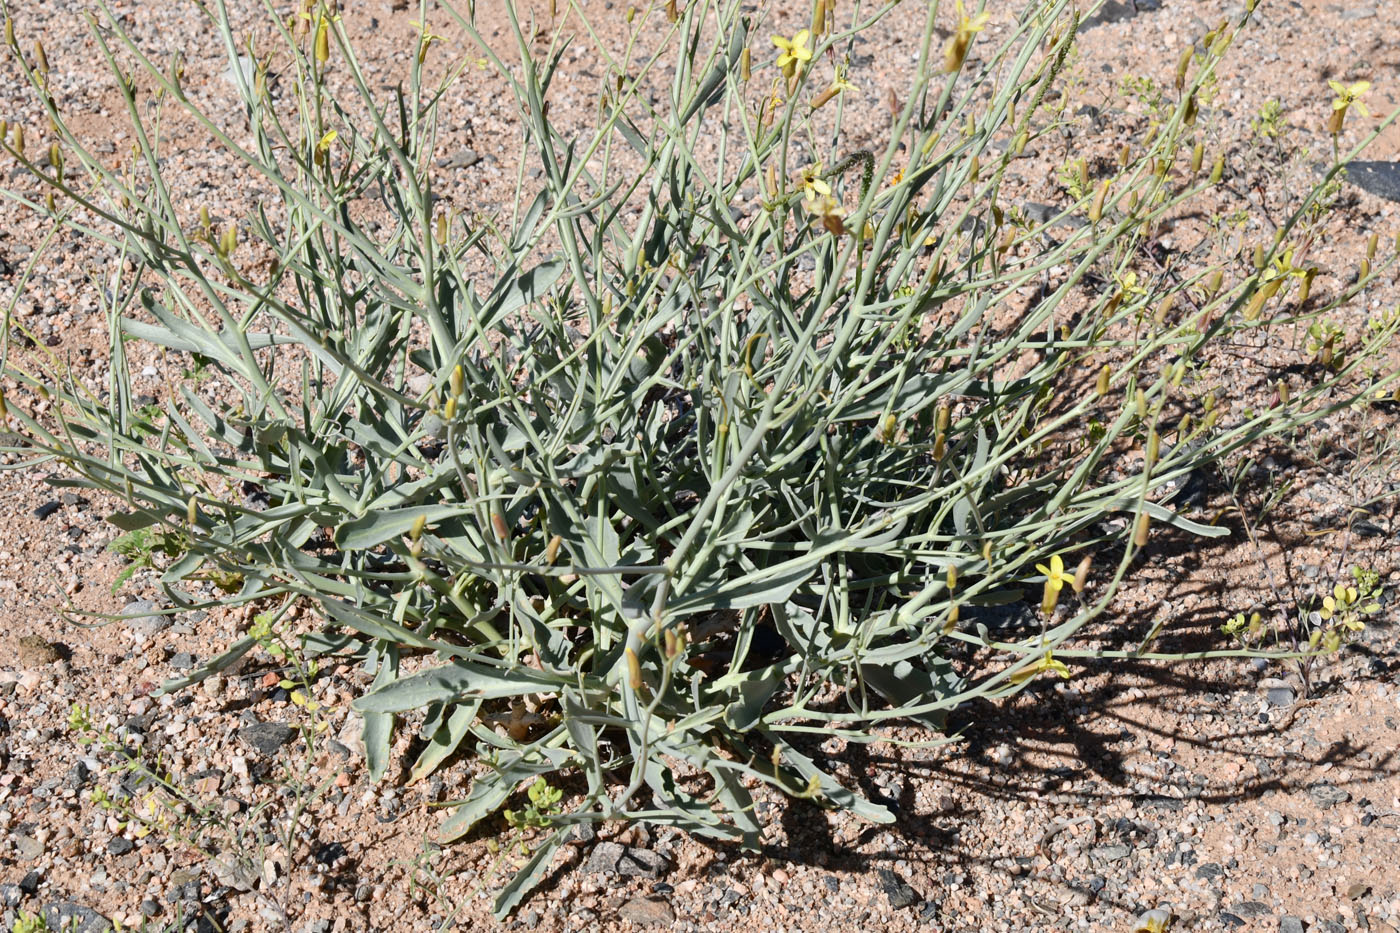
[1198,154]
[1255,307]
[1364,272]
[10,33]
[551,551]
[1214,282]
[1101,387]
[746,64]
[1217,171]
[1154,447]
[1081,573]
[1182,63]
[634,670]
[1283,392]
[19,139]
[952,577]
[191,511]
[419,524]
[1140,402]
[1371,245]
[441,233]
[1183,427]
[1140,533]
[1260,256]
[41,56]
[1164,309]
[952,620]
[819,19]
[498,525]
[825,97]
[1096,209]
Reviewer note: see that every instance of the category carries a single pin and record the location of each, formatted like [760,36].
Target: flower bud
[1198,154]
[1096,209]
[1164,309]
[323,42]
[1141,531]
[1154,444]
[634,670]
[952,577]
[1217,171]
[41,57]
[498,525]
[419,524]
[449,411]
[1081,574]
[192,511]
[551,550]
[1101,387]
[745,64]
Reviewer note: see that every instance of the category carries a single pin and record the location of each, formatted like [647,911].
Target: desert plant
[744,435]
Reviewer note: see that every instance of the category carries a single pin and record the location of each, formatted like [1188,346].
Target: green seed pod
[943,417]
[745,65]
[1140,401]
[41,56]
[1182,63]
[440,234]
[1214,282]
[1255,307]
[1260,256]
[1183,427]
[952,577]
[1154,447]
[4,409]
[1217,171]
[19,140]
[1284,392]
[10,33]
[1198,153]
[1188,118]
[1211,418]
[819,19]
[419,523]
[1365,271]
[1021,139]
[1101,386]
[1371,245]
[975,168]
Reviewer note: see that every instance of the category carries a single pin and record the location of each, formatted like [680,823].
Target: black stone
[119,845]
[30,883]
[1208,871]
[899,892]
[1379,178]
[266,737]
[47,509]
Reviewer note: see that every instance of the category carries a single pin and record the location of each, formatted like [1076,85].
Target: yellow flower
[813,184]
[1055,576]
[795,51]
[1047,663]
[1347,97]
[826,212]
[1350,96]
[961,39]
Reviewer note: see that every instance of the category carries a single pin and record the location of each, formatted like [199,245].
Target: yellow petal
[1337,86]
[1057,565]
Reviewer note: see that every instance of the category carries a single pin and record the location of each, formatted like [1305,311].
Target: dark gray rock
[29,884]
[10,895]
[47,509]
[625,860]
[1290,925]
[74,918]
[1280,696]
[266,737]
[1251,909]
[462,158]
[1379,178]
[647,912]
[183,661]
[1209,870]
[899,892]
[119,845]
[1327,795]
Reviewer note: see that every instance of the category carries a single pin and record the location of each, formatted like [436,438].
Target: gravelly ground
[1207,788]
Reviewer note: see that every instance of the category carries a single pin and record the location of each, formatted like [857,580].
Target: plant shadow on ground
[1065,742]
